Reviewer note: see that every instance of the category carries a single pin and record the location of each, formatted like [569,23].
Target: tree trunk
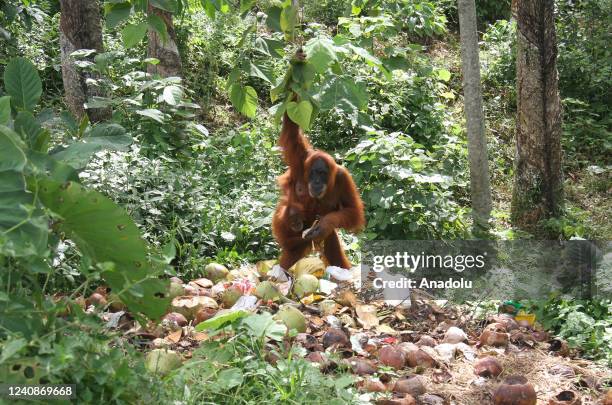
[477,142]
[166,51]
[80,28]
[538,183]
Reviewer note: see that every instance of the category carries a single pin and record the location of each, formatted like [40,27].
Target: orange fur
[340,206]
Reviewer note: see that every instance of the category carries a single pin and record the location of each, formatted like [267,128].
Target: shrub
[408,191]
[239,369]
[221,199]
[584,324]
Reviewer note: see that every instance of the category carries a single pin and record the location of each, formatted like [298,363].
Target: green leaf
[288,20]
[105,232]
[303,74]
[229,378]
[264,72]
[321,52]
[264,325]
[244,99]
[270,47]
[246,5]
[22,83]
[300,113]
[344,381]
[172,95]
[117,13]
[369,59]
[101,137]
[219,321]
[169,251]
[444,75]
[152,113]
[344,93]
[273,18]
[27,126]
[98,102]
[23,227]
[157,24]
[12,156]
[168,5]
[12,347]
[133,34]
[82,53]
[5,110]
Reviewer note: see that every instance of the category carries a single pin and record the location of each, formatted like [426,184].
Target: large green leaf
[158,25]
[244,99]
[172,95]
[5,110]
[288,20]
[22,83]
[104,232]
[246,5]
[258,69]
[264,325]
[224,319]
[273,18]
[270,47]
[168,5]
[23,227]
[116,13]
[31,131]
[320,51]
[303,74]
[100,137]
[344,93]
[300,113]
[132,34]
[153,114]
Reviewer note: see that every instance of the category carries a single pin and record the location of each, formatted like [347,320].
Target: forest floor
[425,350]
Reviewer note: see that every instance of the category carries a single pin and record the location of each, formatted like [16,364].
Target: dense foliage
[184,172]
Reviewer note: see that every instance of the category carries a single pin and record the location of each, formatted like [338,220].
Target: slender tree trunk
[477,142]
[538,182]
[166,51]
[80,28]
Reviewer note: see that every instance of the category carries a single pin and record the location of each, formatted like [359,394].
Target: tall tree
[80,28]
[477,142]
[163,47]
[538,182]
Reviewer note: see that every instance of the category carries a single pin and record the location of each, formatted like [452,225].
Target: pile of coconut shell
[416,353]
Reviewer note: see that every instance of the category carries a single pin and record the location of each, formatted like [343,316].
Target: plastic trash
[278,274]
[339,273]
[246,302]
[326,286]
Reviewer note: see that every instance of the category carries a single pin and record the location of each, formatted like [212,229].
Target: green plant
[586,134]
[73,349]
[41,204]
[586,325]
[408,190]
[252,365]
[157,110]
[220,201]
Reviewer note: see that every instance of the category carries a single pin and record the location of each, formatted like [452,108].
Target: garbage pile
[419,353]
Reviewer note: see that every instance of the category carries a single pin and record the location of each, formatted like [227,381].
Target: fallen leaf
[366,314]
[200,336]
[309,299]
[386,329]
[174,337]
